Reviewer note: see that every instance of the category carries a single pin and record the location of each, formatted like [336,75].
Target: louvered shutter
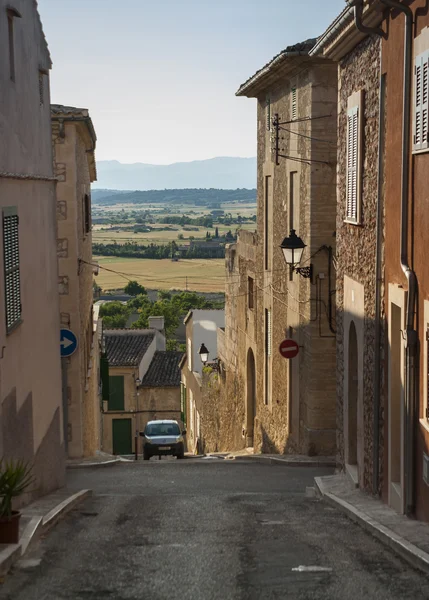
[268,112]
[352,164]
[269,334]
[294,104]
[11,267]
[421,101]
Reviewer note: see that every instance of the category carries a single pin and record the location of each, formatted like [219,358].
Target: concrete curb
[106,463]
[408,551]
[53,516]
[37,526]
[284,461]
[9,554]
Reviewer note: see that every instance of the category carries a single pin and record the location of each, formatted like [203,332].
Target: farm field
[158,237]
[201,275]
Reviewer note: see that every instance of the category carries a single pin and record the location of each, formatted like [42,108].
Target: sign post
[68,345]
[289,348]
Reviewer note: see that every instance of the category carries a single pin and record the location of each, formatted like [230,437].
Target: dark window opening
[250,292]
[11,268]
[87,213]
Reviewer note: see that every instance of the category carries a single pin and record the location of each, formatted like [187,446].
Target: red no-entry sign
[289,348]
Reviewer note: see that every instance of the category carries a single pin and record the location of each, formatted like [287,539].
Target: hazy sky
[159,76]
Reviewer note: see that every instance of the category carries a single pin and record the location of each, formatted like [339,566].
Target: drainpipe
[410,332]
[358,11]
[378,281]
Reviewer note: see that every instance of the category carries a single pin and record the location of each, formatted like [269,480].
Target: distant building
[127,356]
[74,141]
[31,411]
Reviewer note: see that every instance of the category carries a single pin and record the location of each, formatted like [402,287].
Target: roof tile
[126,347]
[164,370]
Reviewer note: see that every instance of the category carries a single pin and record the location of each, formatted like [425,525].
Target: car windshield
[155,429]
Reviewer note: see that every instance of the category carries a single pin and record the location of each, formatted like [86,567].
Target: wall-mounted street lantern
[292,248]
[204,354]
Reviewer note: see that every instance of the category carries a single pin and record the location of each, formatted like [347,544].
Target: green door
[122,442]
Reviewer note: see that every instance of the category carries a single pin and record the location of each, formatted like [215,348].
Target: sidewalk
[36,519]
[407,537]
[286,460]
[101,459]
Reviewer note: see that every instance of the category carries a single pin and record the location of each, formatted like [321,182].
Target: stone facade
[73,140]
[266,401]
[31,422]
[356,245]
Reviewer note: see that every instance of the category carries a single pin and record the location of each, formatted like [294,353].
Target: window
[86,214]
[268,353]
[41,88]
[189,354]
[354,169]
[250,292]
[266,223]
[294,107]
[116,392]
[11,268]
[268,113]
[183,403]
[420,139]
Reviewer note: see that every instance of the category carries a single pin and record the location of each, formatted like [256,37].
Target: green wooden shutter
[116,392]
[11,267]
[104,374]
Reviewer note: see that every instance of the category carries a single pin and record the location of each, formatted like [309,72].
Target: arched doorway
[352,420]
[250,397]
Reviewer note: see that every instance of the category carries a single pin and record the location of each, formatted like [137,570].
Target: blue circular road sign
[68,342]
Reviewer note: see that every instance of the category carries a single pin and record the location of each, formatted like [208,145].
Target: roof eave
[342,35]
[283,65]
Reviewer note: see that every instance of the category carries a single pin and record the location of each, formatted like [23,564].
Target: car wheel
[181,455]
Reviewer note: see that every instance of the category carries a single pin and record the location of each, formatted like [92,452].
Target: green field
[201,275]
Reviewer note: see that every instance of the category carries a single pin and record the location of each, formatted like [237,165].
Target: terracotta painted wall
[419,216]
[30,376]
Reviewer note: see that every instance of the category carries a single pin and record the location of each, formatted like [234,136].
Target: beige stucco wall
[71,147]
[30,373]
[130,374]
[151,403]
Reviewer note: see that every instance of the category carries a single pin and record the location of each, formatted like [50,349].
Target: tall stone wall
[356,245]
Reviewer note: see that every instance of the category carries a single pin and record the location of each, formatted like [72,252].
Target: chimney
[156,323]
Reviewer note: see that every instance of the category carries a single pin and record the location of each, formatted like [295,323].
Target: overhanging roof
[284,63]
[342,35]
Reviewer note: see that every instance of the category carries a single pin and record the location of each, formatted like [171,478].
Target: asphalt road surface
[208,530]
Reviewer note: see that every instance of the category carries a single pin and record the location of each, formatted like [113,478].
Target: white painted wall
[204,331]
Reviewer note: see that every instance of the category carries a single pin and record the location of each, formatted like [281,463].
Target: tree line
[156,251]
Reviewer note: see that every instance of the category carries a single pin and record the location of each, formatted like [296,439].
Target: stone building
[383,276]
[31,422]
[286,405]
[359,206]
[128,355]
[74,141]
[201,328]
[160,388]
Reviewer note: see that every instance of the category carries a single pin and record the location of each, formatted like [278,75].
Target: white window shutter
[268,112]
[352,212]
[418,95]
[425,105]
[294,105]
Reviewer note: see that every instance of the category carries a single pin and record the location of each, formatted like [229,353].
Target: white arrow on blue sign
[68,342]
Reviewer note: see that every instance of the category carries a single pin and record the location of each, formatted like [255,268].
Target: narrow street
[207,529]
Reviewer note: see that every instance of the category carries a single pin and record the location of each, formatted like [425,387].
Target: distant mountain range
[197,197]
[221,173]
